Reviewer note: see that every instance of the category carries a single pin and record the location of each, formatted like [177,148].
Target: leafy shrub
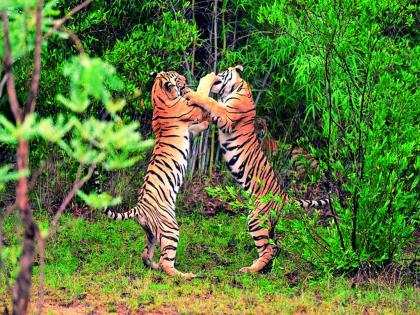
[158,46]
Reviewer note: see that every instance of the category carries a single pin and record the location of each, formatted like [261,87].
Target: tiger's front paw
[195,129]
[209,77]
[193,98]
[206,83]
[247,269]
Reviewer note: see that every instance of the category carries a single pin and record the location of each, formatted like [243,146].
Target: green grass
[102,260]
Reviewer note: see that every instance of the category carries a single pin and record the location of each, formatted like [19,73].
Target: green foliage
[158,46]
[98,201]
[354,68]
[82,86]
[357,75]
[8,174]
[93,141]
[87,140]
[22,26]
[238,198]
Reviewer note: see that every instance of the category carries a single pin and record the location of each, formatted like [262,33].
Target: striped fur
[267,144]
[155,210]
[234,115]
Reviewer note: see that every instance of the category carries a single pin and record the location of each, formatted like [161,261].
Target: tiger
[234,116]
[174,123]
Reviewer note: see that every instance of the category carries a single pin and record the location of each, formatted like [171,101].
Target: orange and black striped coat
[174,125]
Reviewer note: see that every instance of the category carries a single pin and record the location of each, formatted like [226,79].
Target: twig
[265,79]
[10,209]
[69,197]
[11,91]
[194,41]
[2,83]
[328,96]
[234,32]
[76,40]
[43,239]
[31,100]
[187,66]
[215,35]
[211,157]
[60,23]
[35,176]
[346,68]
[235,40]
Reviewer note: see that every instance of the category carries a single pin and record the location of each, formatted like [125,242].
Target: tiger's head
[170,108]
[170,85]
[227,81]
[260,124]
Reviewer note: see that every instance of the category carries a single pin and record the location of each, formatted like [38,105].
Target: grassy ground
[95,267]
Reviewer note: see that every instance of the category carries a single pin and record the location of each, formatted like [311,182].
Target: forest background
[335,84]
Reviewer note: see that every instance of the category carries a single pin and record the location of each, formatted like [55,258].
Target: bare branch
[30,102]
[60,23]
[76,186]
[265,79]
[195,40]
[43,239]
[2,83]
[215,35]
[329,172]
[11,91]
[76,40]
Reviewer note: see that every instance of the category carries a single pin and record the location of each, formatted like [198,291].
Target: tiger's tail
[120,216]
[308,203]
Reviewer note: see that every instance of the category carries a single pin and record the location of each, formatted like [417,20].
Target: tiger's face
[260,124]
[227,81]
[170,108]
[172,84]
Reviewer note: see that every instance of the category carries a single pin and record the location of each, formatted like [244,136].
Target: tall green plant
[356,65]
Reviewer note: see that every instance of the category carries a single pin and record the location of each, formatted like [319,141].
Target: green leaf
[99,200]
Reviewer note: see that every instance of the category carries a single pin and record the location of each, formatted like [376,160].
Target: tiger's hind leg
[149,250]
[276,247]
[147,255]
[168,245]
[261,235]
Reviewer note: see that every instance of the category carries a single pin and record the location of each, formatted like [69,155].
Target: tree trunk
[22,288]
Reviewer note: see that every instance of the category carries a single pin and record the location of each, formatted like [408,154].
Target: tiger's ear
[239,68]
[153,74]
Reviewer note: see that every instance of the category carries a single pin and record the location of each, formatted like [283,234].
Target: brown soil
[80,308]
